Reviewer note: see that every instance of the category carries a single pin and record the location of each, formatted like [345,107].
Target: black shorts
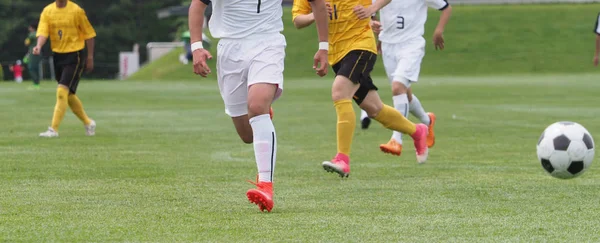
[68,68]
[357,66]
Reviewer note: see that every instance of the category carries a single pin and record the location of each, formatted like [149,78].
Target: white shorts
[402,61]
[244,62]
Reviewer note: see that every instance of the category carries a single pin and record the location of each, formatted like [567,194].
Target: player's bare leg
[341,93]
[394,120]
[260,97]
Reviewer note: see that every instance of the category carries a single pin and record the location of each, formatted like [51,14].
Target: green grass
[480,40]
[167,166]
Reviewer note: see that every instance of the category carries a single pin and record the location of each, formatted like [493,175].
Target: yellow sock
[345,125]
[77,108]
[61,107]
[393,119]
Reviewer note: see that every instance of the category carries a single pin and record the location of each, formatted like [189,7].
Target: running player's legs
[233,85]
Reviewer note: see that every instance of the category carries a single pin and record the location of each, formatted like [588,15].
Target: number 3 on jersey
[400,22]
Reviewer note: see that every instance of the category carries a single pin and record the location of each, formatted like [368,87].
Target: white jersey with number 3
[238,19]
[402,20]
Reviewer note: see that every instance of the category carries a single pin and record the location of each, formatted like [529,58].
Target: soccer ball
[565,149]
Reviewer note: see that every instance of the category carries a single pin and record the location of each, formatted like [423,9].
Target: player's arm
[87,31]
[320,15]
[368,12]
[302,15]
[438,33]
[42,34]
[195,22]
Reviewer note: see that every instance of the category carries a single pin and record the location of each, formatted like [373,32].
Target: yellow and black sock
[346,121]
[60,109]
[394,120]
[77,108]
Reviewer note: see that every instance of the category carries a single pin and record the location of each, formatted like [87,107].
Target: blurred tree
[119,24]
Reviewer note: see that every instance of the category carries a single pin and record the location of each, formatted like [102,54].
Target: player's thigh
[409,63]
[265,75]
[232,78]
[389,57]
[350,71]
[71,72]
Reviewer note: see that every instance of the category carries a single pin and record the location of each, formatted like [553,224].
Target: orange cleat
[262,195]
[271,112]
[392,147]
[431,135]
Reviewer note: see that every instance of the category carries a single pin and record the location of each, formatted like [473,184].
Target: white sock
[265,146]
[401,104]
[417,110]
[363,114]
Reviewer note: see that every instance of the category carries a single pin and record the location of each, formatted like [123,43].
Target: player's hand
[329,8]
[36,50]
[89,64]
[362,12]
[200,67]
[596,60]
[376,26]
[438,40]
[321,65]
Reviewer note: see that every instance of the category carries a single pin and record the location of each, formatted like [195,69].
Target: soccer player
[403,47]
[352,53]
[33,61]
[250,56]
[69,30]
[597,31]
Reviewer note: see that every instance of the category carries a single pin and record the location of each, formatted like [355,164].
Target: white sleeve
[597,28]
[437,4]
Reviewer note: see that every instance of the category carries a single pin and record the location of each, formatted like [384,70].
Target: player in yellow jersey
[70,31]
[352,54]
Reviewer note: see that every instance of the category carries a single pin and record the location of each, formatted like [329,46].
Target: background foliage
[119,24]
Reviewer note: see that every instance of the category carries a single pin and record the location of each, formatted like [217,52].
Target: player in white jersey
[597,32]
[402,45]
[250,56]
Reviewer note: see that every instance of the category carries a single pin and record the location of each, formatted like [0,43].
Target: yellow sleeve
[43,29]
[300,7]
[84,26]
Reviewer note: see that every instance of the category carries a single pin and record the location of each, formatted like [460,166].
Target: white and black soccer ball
[565,150]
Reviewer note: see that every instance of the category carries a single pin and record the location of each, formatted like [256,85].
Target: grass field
[167,166]
[480,40]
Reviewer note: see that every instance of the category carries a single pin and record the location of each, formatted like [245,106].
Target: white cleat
[49,134]
[421,159]
[90,130]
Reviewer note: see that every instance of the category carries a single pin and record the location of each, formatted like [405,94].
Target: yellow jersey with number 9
[67,27]
[346,31]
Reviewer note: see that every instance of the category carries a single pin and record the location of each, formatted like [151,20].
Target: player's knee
[258,108]
[399,88]
[372,108]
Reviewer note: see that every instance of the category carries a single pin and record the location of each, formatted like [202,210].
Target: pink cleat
[339,164]
[420,140]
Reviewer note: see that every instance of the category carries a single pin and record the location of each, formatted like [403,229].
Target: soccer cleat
[392,147]
[271,112]
[420,141]
[430,134]
[365,122]
[51,133]
[339,164]
[262,195]
[90,129]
